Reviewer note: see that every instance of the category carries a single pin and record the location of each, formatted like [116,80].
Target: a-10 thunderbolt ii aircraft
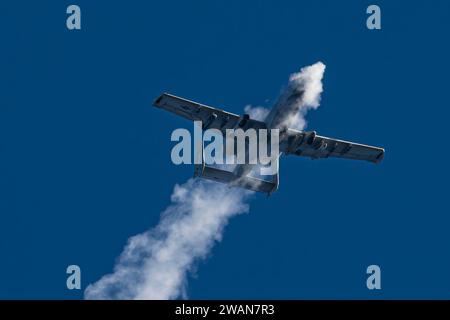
[300,143]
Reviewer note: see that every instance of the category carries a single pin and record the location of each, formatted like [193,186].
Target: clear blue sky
[85,158]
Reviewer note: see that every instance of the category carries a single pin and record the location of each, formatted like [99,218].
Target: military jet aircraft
[291,141]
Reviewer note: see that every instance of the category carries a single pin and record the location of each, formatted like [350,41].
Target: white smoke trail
[301,95]
[155,264]
[310,80]
[257,113]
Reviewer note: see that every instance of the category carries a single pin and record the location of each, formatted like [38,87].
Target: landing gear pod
[244,120]
[311,137]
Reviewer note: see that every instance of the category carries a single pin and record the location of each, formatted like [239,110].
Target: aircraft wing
[210,117]
[309,144]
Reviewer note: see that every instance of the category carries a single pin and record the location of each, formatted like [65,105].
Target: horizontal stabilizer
[224,176]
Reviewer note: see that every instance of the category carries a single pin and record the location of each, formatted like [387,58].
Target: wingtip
[380,157]
[158,100]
